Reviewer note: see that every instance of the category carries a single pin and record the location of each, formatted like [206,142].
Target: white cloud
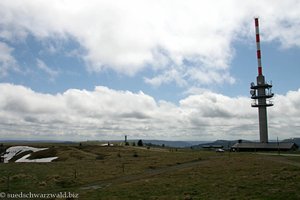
[165,35]
[173,75]
[7,61]
[42,66]
[109,114]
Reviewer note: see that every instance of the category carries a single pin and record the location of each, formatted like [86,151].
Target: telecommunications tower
[261,92]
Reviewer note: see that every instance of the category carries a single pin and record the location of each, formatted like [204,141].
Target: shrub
[140,143]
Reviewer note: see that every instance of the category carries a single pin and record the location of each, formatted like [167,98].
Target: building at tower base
[258,146]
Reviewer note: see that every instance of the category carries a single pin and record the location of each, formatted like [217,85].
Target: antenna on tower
[258,52]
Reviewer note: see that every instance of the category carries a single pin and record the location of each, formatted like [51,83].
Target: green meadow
[127,172]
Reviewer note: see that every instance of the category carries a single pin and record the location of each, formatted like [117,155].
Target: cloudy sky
[150,69]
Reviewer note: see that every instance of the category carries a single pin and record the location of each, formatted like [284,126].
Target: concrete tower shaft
[261,92]
[262,109]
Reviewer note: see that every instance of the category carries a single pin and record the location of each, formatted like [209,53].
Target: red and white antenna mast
[258,52]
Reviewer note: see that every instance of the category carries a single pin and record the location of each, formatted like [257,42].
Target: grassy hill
[118,172]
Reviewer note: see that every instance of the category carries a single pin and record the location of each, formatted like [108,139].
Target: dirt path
[146,174]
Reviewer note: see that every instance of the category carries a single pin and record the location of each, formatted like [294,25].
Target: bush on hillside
[140,143]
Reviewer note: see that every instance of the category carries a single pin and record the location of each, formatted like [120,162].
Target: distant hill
[166,143]
[179,144]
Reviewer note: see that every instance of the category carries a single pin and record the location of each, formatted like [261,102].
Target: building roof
[266,146]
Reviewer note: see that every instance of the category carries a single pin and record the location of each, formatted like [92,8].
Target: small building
[258,146]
